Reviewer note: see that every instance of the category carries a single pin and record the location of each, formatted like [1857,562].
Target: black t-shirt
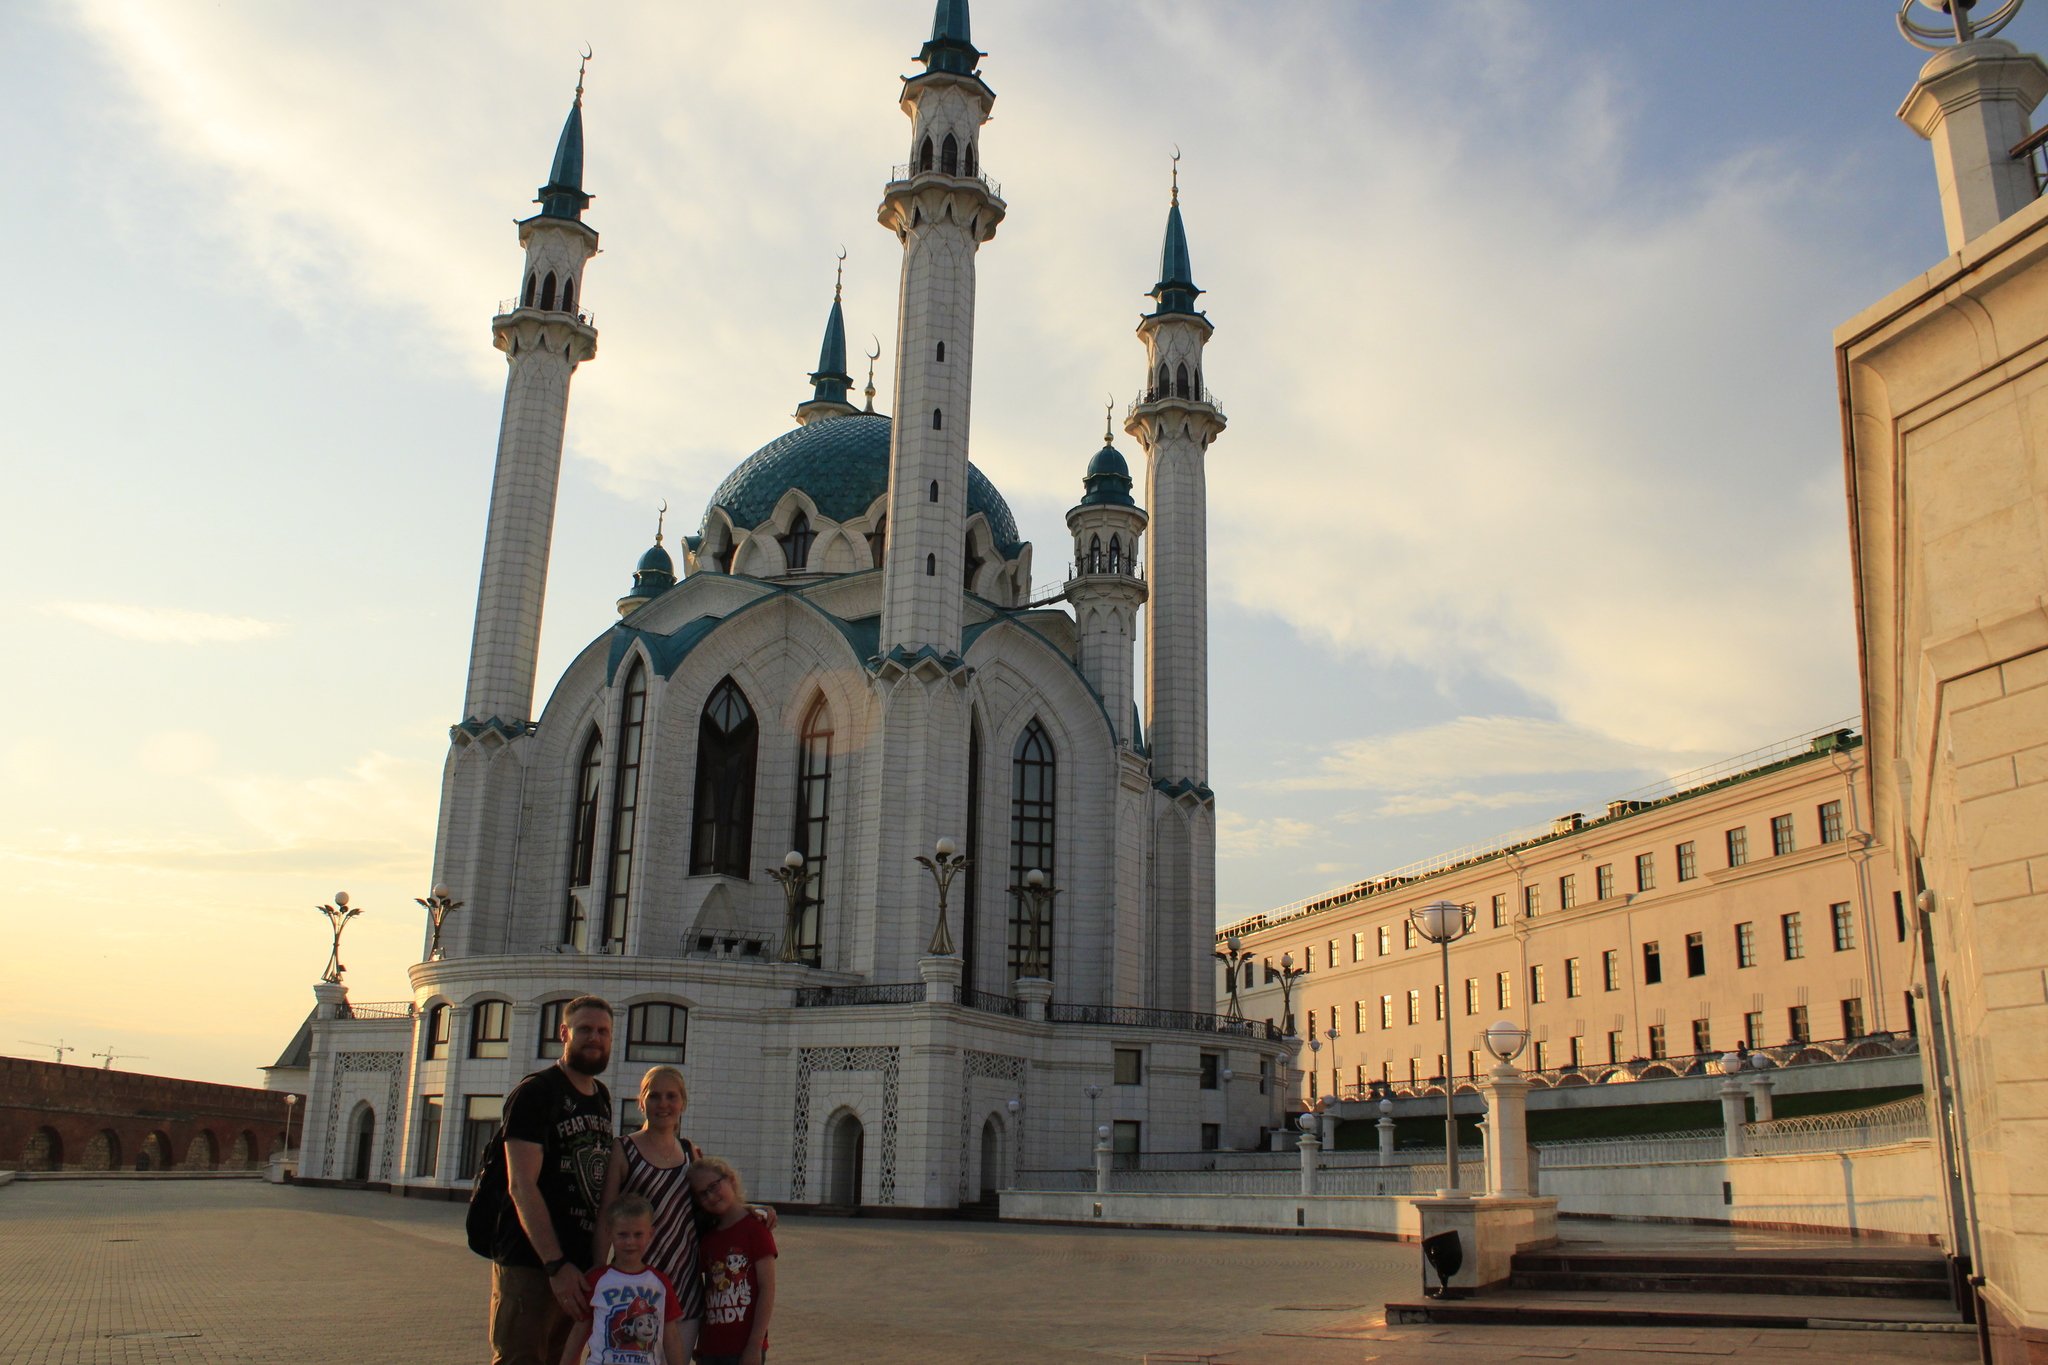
[574,1133]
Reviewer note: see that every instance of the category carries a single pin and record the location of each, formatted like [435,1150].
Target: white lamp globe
[792,859]
[1505,1039]
[1227,1073]
[1236,944]
[1386,1107]
[946,847]
[341,899]
[440,892]
[1034,878]
[1731,1063]
[1440,921]
[1103,1131]
[1287,959]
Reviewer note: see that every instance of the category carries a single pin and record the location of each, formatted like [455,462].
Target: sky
[1531,492]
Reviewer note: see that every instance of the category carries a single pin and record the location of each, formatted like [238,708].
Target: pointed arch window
[1095,554]
[813,815]
[970,900]
[935,490]
[1032,774]
[931,566]
[1165,383]
[924,156]
[967,159]
[1116,554]
[949,155]
[878,539]
[583,843]
[569,295]
[1180,383]
[625,810]
[938,421]
[547,293]
[796,546]
[532,284]
[727,739]
[973,565]
[942,353]
[1198,384]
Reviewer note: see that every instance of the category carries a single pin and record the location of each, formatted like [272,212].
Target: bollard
[1734,1114]
[1103,1157]
[1386,1127]
[1311,1155]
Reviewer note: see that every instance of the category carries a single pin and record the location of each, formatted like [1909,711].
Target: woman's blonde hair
[718,1165]
[663,1073]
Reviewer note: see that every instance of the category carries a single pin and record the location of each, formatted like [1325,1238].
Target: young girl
[633,1308]
[739,1268]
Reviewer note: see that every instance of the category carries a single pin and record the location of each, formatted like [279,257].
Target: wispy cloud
[1238,836]
[162,625]
[1481,746]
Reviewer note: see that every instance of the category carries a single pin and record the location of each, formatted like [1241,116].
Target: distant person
[633,1318]
[738,1254]
[558,1144]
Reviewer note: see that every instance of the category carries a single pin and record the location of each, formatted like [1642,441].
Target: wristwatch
[552,1266]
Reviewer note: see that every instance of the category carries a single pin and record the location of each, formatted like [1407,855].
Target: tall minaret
[1174,422]
[942,210]
[1104,588]
[544,336]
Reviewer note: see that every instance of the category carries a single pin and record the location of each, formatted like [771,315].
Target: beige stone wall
[1946,433]
[1816,875]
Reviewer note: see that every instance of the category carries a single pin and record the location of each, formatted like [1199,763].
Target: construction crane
[112,1056]
[60,1047]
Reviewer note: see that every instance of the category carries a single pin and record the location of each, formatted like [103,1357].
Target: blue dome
[1108,460]
[842,465]
[656,560]
[1108,479]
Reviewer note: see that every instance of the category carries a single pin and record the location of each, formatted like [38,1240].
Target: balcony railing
[386,1009]
[582,315]
[2033,149]
[904,993]
[990,1003]
[1195,394]
[1126,1016]
[1127,568]
[909,171]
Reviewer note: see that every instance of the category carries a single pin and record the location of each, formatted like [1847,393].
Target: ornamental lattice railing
[1128,1016]
[897,993]
[383,1009]
[910,171]
[1881,1125]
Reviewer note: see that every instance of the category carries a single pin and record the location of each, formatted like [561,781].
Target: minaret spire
[563,196]
[830,381]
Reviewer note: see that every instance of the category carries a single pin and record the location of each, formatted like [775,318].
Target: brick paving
[213,1272]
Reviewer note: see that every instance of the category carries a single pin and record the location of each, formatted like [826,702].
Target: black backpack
[490,1198]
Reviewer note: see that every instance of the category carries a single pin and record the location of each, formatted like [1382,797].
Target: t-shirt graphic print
[629,1314]
[731,1284]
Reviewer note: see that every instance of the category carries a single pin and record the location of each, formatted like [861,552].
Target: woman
[655,1164]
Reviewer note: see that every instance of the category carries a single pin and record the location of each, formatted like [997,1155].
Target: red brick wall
[86,1118]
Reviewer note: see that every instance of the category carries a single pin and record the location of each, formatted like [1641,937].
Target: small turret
[653,576]
[563,196]
[830,381]
[1106,586]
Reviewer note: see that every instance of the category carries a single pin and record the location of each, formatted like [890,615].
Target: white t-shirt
[628,1316]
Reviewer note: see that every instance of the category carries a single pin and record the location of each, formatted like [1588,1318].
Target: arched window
[625,810]
[935,490]
[725,555]
[1180,383]
[970,899]
[547,292]
[1198,382]
[973,565]
[583,843]
[949,156]
[967,161]
[924,156]
[1031,829]
[937,422]
[813,812]
[1116,554]
[796,546]
[436,1033]
[942,353]
[878,539]
[727,738]
[490,1029]
[931,566]
[1095,554]
[1165,383]
[532,283]
[569,295]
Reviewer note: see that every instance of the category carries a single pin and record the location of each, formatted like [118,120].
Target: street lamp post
[291,1106]
[1037,898]
[440,907]
[338,915]
[944,868]
[1233,957]
[1315,1052]
[1444,923]
[1094,1093]
[794,878]
[1289,974]
[1336,1071]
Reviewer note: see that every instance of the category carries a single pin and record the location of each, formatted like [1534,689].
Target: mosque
[742,812]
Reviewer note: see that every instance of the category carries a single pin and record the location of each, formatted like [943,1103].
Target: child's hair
[664,1073]
[719,1165]
[628,1205]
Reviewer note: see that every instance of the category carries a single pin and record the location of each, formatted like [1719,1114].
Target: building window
[1407,933]
[1745,944]
[1032,777]
[1212,1137]
[1844,921]
[1503,990]
[728,738]
[1899,914]
[427,1161]
[939,353]
[1333,952]
[1702,1037]
[436,1033]
[924,155]
[796,546]
[1386,1011]
[1614,1047]
[1801,1026]
[938,420]
[1471,995]
[490,1029]
[1753,1028]
[1738,846]
[1610,969]
[1646,872]
[547,292]
[532,289]
[632,1118]
[1795,936]
[480,1117]
[1386,941]
[1130,1066]
[655,1033]
[1576,1049]
[1831,822]
[583,843]
[813,812]
[1414,1071]
[1781,835]
[550,1041]
[1658,1051]
[1358,1016]
[1567,891]
[1852,1018]
[625,807]
[1653,963]
[1212,1066]
[949,155]
[1574,979]
[1441,1003]
[1688,862]
[1358,946]
[1415,1007]
[1536,996]
[1271,975]
[1695,954]
[1265,1069]
[1603,882]
[1500,911]
[1532,901]
[1542,1055]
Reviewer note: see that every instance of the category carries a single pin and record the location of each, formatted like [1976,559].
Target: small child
[633,1307]
[739,1268]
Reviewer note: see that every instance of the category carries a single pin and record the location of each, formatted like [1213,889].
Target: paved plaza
[193,1272]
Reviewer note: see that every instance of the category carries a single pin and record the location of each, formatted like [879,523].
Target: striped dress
[674,1249]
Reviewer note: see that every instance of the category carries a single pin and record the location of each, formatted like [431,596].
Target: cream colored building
[1746,903]
[1946,428]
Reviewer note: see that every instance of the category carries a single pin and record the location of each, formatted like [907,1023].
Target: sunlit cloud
[1481,746]
[162,625]
[1238,836]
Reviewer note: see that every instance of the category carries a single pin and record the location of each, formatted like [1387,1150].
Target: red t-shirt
[731,1285]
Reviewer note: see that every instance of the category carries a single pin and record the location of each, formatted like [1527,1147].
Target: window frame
[670,1050]
[1695,955]
[1842,921]
[548,1043]
[1574,979]
[1784,838]
[1688,861]
[1034,828]
[1792,935]
[618,890]
[1832,830]
[1603,882]
[1129,1060]
[436,1033]
[1653,962]
[1737,841]
[1745,944]
[1646,872]
[728,765]
[492,1012]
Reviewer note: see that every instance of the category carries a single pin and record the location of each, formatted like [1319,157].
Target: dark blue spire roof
[1176,289]
[563,196]
[952,43]
[1108,479]
[831,381]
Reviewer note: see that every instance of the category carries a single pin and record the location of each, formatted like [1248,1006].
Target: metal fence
[385,1009]
[1698,1144]
[905,993]
[1879,1126]
[991,1003]
[1126,1016]
[1281,1182]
